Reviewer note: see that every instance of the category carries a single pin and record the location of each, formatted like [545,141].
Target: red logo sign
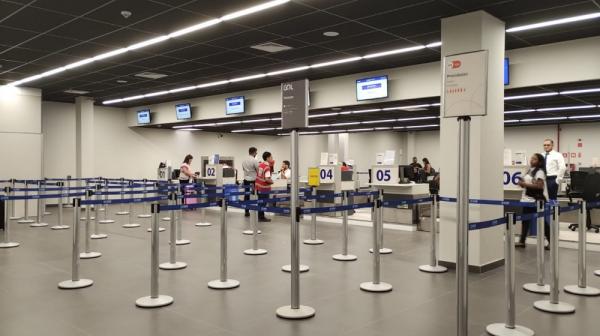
[455,64]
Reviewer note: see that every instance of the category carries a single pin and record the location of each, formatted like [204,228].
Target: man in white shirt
[250,166]
[555,168]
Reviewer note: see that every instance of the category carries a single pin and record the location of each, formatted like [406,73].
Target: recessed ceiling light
[533,95]
[271,47]
[77,92]
[554,22]
[150,75]
[331,34]
[121,81]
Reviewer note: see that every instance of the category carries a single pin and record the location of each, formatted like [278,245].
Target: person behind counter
[345,167]
[534,189]
[185,173]
[555,168]
[427,167]
[263,181]
[250,166]
[416,165]
[285,172]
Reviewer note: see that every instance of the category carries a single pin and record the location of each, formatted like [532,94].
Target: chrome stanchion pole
[160,228]
[295,310]
[76,281]
[122,212]
[45,211]
[203,221]
[173,264]
[168,218]
[582,288]
[97,234]
[105,219]
[433,266]
[13,215]
[377,285]
[61,197]
[223,282]
[253,224]
[554,305]
[540,286]
[69,202]
[39,222]
[131,222]
[462,229]
[382,250]
[509,328]
[313,223]
[344,256]
[93,208]
[178,214]
[6,243]
[26,219]
[87,253]
[145,195]
[155,300]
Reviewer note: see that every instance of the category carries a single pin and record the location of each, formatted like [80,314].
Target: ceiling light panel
[535,95]
[538,25]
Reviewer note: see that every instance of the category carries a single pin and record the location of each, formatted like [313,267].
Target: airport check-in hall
[299,167]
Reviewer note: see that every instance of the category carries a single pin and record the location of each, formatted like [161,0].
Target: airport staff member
[263,182]
[285,172]
[555,168]
[250,166]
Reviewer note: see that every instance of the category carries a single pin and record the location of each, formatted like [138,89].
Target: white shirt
[527,178]
[285,175]
[555,164]
[250,166]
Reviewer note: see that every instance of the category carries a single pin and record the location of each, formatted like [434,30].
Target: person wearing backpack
[534,189]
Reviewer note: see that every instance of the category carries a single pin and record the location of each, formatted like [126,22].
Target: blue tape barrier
[363,193]
[395,203]
[33,197]
[306,211]
[322,197]
[569,208]
[188,206]
[124,201]
[486,224]
[260,208]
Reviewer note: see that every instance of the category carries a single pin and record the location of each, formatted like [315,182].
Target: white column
[465,33]
[84,136]
[410,148]
[343,147]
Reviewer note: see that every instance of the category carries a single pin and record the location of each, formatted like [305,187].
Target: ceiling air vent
[150,75]
[271,47]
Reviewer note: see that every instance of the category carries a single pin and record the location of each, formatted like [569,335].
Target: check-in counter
[216,175]
[332,180]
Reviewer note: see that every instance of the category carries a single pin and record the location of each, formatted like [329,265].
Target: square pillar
[84,136]
[465,33]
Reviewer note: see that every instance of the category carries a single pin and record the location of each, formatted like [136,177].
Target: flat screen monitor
[506,71]
[183,111]
[143,117]
[234,105]
[406,173]
[372,88]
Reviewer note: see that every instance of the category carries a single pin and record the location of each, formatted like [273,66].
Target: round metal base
[99,236]
[25,221]
[255,252]
[175,266]
[313,241]
[227,284]
[584,291]
[14,218]
[166,219]
[70,284]
[9,245]
[302,312]
[106,221]
[288,268]
[130,225]
[89,255]
[250,232]
[433,269]
[597,272]
[91,218]
[101,209]
[500,329]
[160,229]
[383,250]
[183,242]
[535,288]
[149,302]
[38,224]
[60,227]
[144,216]
[380,287]
[344,257]
[555,308]
[122,213]
[203,224]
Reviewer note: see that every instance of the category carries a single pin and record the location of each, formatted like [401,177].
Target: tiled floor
[421,304]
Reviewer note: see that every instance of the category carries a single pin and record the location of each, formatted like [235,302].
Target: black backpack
[536,194]
[175,174]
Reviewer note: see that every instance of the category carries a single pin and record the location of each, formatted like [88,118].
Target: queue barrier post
[344,256]
[253,226]
[203,221]
[105,219]
[179,226]
[122,212]
[131,222]
[97,234]
[255,231]
[223,282]
[69,201]
[509,328]
[75,282]
[44,201]
[554,305]
[87,253]
[540,286]
[13,215]
[6,243]
[382,250]
[433,266]
[160,228]
[60,225]
[39,222]
[26,219]
[145,187]
[173,264]
[376,285]
[313,223]
[154,300]
[582,288]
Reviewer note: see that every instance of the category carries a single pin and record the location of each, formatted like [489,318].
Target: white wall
[58,124]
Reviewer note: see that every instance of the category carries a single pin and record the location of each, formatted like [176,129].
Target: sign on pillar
[465,84]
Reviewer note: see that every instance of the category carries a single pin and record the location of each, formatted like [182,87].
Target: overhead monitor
[143,117]
[184,111]
[234,105]
[372,88]
[506,71]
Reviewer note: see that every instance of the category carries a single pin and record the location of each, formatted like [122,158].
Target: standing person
[427,167]
[185,173]
[263,182]
[285,172]
[250,166]
[534,189]
[555,168]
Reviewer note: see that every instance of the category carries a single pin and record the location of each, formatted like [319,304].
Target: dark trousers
[552,187]
[247,197]
[182,184]
[261,214]
[525,225]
